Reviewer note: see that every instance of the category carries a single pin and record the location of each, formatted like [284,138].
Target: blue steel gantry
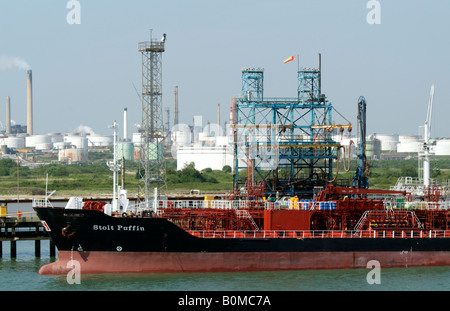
[283,145]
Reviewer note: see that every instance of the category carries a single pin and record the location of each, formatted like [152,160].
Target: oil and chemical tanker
[256,228]
[341,228]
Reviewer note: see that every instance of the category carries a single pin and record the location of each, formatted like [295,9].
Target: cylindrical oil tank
[125,150]
[181,138]
[32,141]
[373,148]
[44,146]
[389,142]
[221,141]
[56,137]
[409,146]
[73,155]
[77,141]
[408,143]
[155,151]
[408,138]
[136,139]
[13,142]
[60,145]
[137,152]
[442,147]
[97,140]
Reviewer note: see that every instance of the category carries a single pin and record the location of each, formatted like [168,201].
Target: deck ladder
[243,213]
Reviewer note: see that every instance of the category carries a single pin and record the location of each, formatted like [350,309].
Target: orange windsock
[289,59]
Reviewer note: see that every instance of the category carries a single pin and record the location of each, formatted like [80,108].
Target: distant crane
[360,179]
[425,152]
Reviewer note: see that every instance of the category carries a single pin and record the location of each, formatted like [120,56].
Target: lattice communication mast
[283,145]
[152,173]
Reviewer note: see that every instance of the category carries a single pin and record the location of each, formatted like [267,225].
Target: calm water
[21,274]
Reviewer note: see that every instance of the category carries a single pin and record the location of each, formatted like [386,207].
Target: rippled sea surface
[21,274]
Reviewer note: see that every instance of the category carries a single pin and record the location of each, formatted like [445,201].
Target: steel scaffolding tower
[151,165]
[284,144]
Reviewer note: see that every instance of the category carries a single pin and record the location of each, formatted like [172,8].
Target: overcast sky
[84,74]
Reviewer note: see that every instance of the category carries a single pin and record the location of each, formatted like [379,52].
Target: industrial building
[211,146]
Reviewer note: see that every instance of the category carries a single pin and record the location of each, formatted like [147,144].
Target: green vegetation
[384,173]
[95,178]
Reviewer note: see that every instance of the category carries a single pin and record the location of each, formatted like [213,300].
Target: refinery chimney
[29,103]
[8,115]
[175,121]
[218,117]
[125,124]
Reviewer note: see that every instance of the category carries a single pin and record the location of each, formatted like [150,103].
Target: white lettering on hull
[117,228]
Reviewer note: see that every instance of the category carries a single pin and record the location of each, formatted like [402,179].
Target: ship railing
[41,203]
[302,234]
[217,204]
[240,204]
[299,205]
[416,205]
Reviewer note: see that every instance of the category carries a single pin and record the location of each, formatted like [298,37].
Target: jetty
[19,227]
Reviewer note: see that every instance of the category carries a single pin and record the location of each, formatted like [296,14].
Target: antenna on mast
[425,150]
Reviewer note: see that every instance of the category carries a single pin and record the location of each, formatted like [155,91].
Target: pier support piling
[52,249]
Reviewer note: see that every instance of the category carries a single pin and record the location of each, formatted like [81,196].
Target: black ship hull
[103,244]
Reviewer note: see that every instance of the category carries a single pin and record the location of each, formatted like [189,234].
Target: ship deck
[304,234]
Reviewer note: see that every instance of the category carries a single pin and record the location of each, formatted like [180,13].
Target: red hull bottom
[115,262]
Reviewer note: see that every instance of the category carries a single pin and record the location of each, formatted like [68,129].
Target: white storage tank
[221,141]
[97,140]
[409,147]
[442,147]
[44,146]
[136,139]
[13,142]
[388,142]
[60,145]
[205,157]
[408,138]
[56,137]
[79,142]
[409,143]
[181,138]
[32,141]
